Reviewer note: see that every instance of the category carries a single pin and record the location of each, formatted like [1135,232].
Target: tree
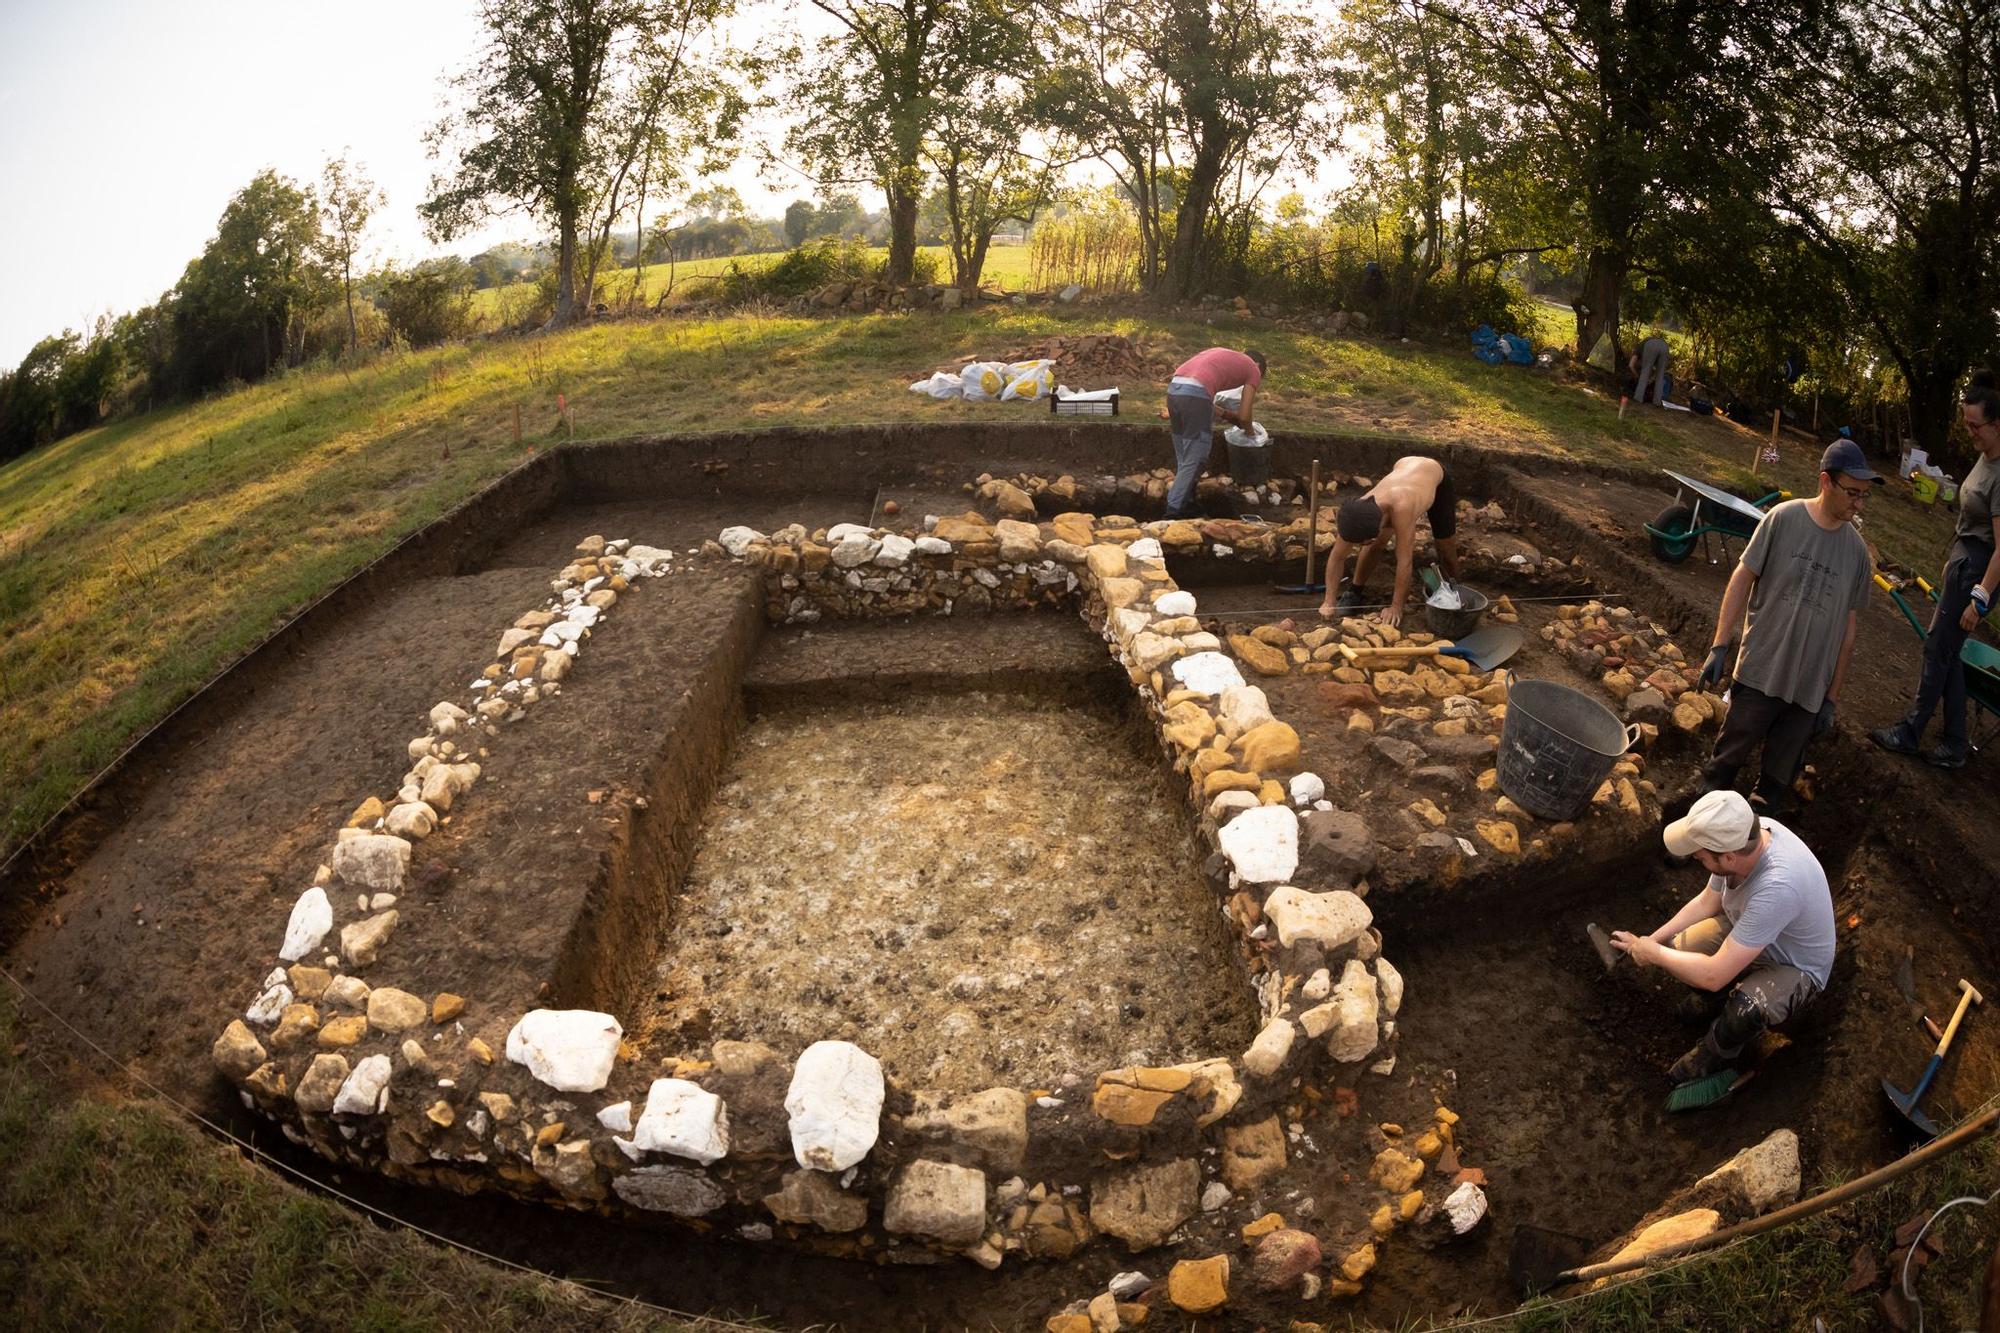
[986,169]
[1189,101]
[347,200]
[428,303]
[798,222]
[1897,190]
[1644,111]
[241,306]
[547,118]
[868,98]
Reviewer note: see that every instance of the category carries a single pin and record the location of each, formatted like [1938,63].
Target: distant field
[500,307]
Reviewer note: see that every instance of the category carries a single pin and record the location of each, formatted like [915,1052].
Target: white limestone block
[1330,920]
[835,1105]
[737,540]
[312,918]
[1177,603]
[684,1119]
[1306,788]
[1262,844]
[1207,674]
[366,1089]
[571,1050]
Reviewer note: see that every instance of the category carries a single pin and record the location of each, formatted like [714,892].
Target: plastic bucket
[1455,625]
[1249,464]
[1557,745]
[1923,487]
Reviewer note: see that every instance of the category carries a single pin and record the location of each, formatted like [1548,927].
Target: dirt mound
[1095,360]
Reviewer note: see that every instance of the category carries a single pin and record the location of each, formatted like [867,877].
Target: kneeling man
[1763,927]
[1389,511]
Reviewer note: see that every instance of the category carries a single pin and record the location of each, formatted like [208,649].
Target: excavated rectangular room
[979,875]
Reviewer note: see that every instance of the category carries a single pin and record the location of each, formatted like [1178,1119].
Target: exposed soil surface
[981,890]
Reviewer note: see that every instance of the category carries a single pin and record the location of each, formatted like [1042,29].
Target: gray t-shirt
[1808,579]
[1977,499]
[1783,906]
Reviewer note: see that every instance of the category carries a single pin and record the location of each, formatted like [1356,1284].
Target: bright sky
[126,125]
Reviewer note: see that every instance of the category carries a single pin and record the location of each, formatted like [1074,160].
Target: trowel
[1485,648]
[1600,940]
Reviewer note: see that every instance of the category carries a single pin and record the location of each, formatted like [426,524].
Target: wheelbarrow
[1982,660]
[1711,511]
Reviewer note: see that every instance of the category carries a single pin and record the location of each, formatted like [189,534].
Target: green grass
[138,559]
[501,307]
[1788,1278]
[117,1214]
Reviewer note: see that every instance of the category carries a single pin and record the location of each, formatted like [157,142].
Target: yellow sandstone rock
[1357,1263]
[1259,656]
[1200,1285]
[1500,835]
[1270,747]
[1426,809]
[1263,1226]
[1228,779]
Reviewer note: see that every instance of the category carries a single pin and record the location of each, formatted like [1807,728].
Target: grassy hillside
[502,307]
[138,559]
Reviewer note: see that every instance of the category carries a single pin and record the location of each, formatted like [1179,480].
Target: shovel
[1906,1102]
[1312,543]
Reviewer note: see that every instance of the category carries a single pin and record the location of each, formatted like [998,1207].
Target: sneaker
[1942,755]
[1895,739]
[1697,1063]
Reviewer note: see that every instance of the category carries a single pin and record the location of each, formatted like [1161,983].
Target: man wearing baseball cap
[1803,579]
[1764,922]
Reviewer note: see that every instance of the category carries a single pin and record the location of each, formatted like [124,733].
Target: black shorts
[1444,510]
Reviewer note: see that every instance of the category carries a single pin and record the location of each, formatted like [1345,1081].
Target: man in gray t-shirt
[1764,922]
[1803,580]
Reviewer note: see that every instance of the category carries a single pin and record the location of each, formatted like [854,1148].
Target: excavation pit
[983,889]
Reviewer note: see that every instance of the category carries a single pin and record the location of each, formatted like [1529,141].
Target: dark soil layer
[1050,657]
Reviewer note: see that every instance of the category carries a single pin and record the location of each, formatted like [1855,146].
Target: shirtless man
[1413,486]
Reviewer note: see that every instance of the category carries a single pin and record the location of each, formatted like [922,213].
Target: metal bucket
[1455,625]
[1557,746]
[1249,464]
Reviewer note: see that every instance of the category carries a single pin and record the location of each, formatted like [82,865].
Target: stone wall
[819,1146]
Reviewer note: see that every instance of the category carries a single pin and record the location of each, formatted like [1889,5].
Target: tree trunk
[902,237]
[1184,267]
[347,283]
[564,313]
[1597,309]
[976,263]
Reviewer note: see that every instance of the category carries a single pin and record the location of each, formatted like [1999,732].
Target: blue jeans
[1191,419]
[1944,670]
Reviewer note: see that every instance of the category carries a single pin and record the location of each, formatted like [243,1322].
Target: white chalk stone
[840,532]
[446,718]
[737,540]
[1318,986]
[1175,604]
[269,1007]
[855,551]
[616,1117]
[1262,844]
[1329,920]
[684,1119]
[312,918]
[1267,1053]
[411,819]
[933,546]
[366,1091]
[835,1105]
[571,1050]
[1307,788]
[1390,982]
[1464,1206]
[1128,622]
[1207,674]
[1228,804]
[893,551]
[1244,707]
[584,614]
[1143,549]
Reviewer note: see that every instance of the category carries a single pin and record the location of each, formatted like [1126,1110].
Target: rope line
[312,1183]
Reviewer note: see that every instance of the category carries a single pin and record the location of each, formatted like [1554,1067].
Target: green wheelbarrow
[1700,510]
[1982,660]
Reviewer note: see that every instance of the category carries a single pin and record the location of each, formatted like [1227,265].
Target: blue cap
[1846,456]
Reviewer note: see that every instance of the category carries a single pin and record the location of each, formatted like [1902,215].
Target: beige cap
[1721,821]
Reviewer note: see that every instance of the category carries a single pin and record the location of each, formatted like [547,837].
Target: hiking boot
[1699,1062]
[1349,603]
[1942,755]
[1895,739]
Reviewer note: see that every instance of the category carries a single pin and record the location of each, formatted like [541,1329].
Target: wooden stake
[517,423]
[1312,524]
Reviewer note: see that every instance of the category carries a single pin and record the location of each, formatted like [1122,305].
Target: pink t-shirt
[1220,368]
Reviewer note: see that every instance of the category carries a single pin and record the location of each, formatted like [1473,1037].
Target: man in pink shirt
[1191,413]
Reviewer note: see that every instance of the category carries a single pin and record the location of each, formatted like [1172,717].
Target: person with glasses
[1966,591]
[1803,580]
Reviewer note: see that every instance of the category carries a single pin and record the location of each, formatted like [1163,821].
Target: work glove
[1824,722]
[1717,665]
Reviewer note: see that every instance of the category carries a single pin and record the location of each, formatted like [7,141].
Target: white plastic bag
[1032,383]
[1229,400]
[982,381]
[1446,598]
[1256,438]
[943,384]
